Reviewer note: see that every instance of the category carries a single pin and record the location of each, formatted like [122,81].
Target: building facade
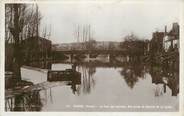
[36,49]
[171,38]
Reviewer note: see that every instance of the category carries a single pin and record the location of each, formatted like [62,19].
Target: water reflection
[131,74]
[102,83]
[161,77]
[24,102]
[165,77]
[88,81]
[75,85]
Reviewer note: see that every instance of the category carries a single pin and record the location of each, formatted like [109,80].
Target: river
[107,88]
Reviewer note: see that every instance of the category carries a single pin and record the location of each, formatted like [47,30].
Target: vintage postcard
[92,56]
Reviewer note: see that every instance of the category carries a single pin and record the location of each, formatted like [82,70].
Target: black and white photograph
[91,56]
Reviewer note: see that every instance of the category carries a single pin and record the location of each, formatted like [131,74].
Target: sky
[109,21]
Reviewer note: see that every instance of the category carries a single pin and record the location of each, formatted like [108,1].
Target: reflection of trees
[157,73]
[75,85]
[131,73]
[130,78]
[26,102]
[87,78]
[173,84]
[173,80]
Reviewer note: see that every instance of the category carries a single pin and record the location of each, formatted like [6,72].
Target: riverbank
[11,82]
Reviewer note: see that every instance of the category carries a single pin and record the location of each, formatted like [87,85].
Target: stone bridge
[90,55]
[114,52]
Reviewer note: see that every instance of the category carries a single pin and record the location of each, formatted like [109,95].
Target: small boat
[64,75]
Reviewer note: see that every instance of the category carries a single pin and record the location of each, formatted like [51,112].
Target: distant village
[103,45]
[167,40]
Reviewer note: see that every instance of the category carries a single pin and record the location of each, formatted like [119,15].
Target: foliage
[90,45]
[133,45]
[21,21]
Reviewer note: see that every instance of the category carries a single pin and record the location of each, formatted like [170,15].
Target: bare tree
[20,23]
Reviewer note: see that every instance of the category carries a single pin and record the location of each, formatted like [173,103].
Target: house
[36,48]
[171,39]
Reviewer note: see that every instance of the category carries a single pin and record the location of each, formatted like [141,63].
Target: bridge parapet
[116,52]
